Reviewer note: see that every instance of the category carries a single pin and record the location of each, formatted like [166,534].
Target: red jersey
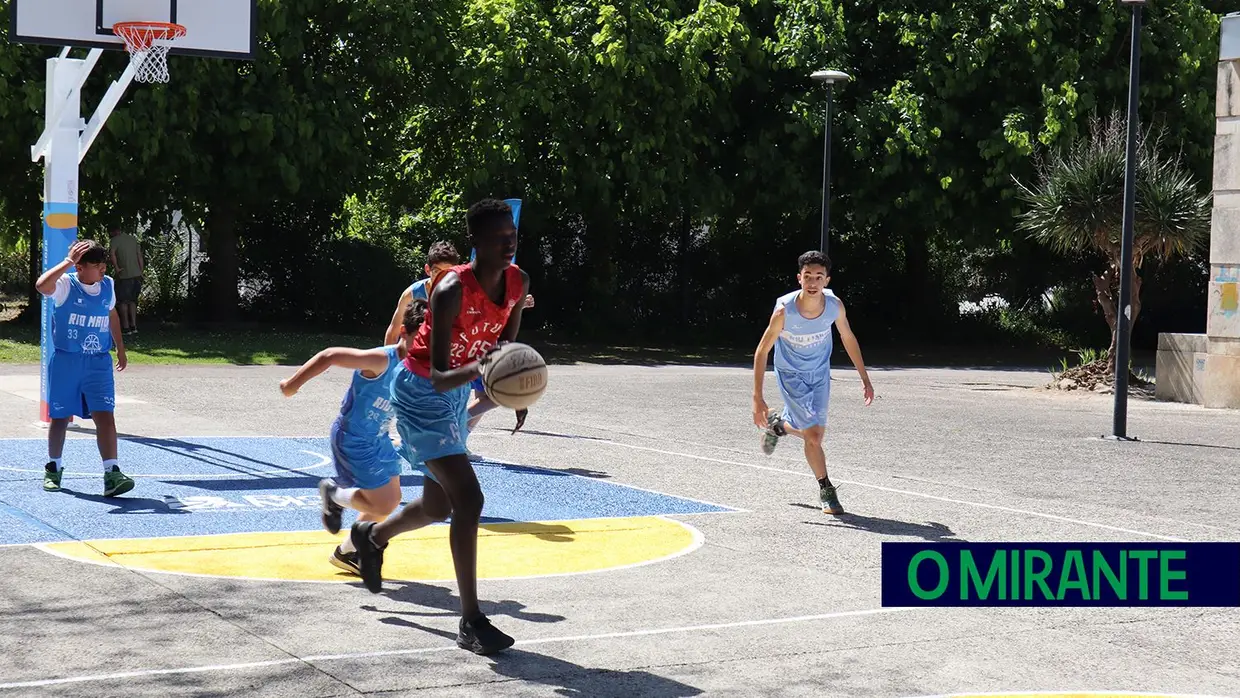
[475,329]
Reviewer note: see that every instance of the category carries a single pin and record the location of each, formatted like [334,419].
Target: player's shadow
[930,530]
[586,472]
[579,681]
[552,533]
[127,505]
[448,605]
[226,460]
[552,434]
[569,679]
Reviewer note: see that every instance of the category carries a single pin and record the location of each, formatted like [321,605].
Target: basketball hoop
[148,44]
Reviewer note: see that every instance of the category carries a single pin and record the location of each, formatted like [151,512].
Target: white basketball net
[148,44]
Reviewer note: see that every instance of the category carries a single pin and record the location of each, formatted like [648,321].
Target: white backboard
[219,28]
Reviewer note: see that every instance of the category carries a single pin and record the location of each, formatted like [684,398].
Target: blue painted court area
[199,486]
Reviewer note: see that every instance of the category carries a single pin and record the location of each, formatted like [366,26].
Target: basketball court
[635,543]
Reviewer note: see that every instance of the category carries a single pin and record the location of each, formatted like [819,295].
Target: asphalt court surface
[635,543]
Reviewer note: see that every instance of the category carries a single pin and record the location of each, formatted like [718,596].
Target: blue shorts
[477,385]
[368,465]
[79,384]
[805,398]
[431,424]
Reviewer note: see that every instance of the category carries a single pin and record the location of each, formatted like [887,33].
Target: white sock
[56,462]
[347,546]
[109,464]
[344,496]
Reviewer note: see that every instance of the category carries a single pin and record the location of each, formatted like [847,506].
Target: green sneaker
[116,483]
[51,478]
[830,502]
[774,430]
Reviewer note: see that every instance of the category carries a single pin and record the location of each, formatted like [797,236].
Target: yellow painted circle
[505,551]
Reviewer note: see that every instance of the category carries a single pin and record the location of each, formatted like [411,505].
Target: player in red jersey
[473,308]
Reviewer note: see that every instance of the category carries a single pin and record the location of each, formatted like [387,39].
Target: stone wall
[1183,372]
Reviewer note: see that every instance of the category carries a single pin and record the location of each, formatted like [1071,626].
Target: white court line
[910,493]
[324,460]
[444,648]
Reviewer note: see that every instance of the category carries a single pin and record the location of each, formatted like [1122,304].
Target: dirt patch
[1096,377]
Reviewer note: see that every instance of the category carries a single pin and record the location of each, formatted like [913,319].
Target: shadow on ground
[444,604]
[930,530]
[567,678]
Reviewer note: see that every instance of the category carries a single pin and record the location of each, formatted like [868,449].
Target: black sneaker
[480,637]
[369,556]
[345,561]
[331,510]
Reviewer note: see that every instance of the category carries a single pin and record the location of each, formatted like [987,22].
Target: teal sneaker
[774,430]
[51,478]
[830,501]
[116,483]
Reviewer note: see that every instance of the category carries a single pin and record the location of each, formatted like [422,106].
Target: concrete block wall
[1205,369]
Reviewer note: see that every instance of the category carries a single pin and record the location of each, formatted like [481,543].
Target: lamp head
[830,76]
[1132,3]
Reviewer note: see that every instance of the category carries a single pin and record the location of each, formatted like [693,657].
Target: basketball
[515,376]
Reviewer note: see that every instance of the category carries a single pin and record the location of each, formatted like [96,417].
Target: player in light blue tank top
[368,466]
[80,383]
[800,333]
[441,257]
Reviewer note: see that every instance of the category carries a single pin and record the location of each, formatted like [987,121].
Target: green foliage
[1077,203]
[669,153]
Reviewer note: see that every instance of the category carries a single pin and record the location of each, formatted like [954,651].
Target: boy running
[800,331]
[439,259]
[367,465]
[473,307]
[85,327]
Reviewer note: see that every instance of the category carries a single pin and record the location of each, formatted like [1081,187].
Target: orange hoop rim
[139,36]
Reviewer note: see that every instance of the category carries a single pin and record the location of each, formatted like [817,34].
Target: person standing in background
[126,253]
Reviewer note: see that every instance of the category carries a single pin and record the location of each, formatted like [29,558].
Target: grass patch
[168,345]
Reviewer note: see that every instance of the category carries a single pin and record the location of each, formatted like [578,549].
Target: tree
[957,94]
[22,73]
[313,118]
[1077,205]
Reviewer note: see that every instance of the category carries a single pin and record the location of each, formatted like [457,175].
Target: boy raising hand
[85,327]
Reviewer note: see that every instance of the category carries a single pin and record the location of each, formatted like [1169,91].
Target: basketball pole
[62,148]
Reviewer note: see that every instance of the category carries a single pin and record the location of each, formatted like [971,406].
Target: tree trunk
[34,305]
[222,252]
[1106,285]
[920,296]
[601,290]
[682,266]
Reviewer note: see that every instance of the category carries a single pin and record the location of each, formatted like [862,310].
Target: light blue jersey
[418,289]
[803,361]
[366,410]
[361,447]
[804,345]
[80,324]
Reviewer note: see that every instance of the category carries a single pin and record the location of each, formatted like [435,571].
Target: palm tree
[1077,206]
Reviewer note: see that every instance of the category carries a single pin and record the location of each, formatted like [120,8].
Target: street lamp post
[1124,318]
[828,77]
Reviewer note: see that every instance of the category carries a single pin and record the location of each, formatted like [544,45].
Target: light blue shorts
[806,396]
[431,424]
[368,465]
